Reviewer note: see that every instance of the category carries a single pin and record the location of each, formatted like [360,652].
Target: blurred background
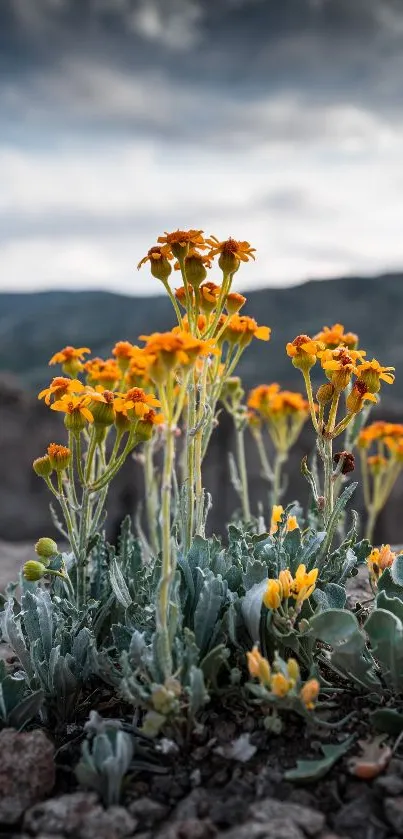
[275,121]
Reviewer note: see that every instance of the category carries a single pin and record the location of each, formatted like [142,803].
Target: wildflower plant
[169,617]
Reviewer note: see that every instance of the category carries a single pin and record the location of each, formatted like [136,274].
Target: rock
[311,821]
[393,809]
[147,812]
[389,785]
[189,829]
[79,814]
[194,806]
[27,772]
[277,829]
[353,818]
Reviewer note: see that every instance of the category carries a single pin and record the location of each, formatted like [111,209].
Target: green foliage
[312,770]
[18,705]
[106,755]
[55,647]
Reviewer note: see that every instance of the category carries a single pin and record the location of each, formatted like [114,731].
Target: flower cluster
[378,560]
[276,517]
[283,412]
[298,588]
[380,445]
[283,680]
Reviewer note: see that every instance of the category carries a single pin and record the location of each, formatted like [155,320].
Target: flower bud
[293,669]
[42,466]
[196,271]
[33,570]
[272,595]
[160,268]
[59,456]
[103,412]
[280,685]
[309,693]
[325,394]
[234,302]
[46,547]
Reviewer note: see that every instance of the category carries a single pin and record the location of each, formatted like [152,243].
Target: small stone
[393,809]
[194,806]
[147,812]
[81,815]
[277,829]
[189,829]
[27,772]
[390,785]
[354,817]
[311,821]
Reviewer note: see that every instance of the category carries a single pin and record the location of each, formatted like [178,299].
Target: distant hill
[34,326]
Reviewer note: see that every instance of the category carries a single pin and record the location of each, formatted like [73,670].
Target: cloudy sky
[276,121]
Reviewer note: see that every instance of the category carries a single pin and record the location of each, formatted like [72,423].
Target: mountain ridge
[34,325]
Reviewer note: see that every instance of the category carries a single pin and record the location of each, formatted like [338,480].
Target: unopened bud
[325,394]
[46,547]
[33,571]
[42,466]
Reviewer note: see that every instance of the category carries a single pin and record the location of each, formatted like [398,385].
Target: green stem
[280,458]
[66,513]
[328,488]
[82,550]
[151,496]
[167,570]
[175,304]
[113,468]
[308,386]
[264,460]
[190,463]
[371,522]
[79,459]
[243,474]
[199,451]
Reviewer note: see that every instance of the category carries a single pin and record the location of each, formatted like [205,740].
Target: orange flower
[137,374]
[240,329]
[59,456]
[156,254]
[335,336]
[209,295]
[378,560]
[170,350]
[372,373]
[100,372]
[272,403]
[234,302]
[70,358]
[309,693]
[180,294]
[377,464]
[58,387]
[339,365]
[180,241]
[76,409]
[158,257]
[357,396]
[231,253]
[259,667]
[303,351]
[123,352]
[135,401]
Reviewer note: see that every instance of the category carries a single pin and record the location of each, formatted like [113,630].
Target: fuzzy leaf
[256,572]
[331,596]
[251,606]
[198,695]
[337,626]
[212,598]
[388,720]
[313,770]
[26,710]
[397,571]
[119,586]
